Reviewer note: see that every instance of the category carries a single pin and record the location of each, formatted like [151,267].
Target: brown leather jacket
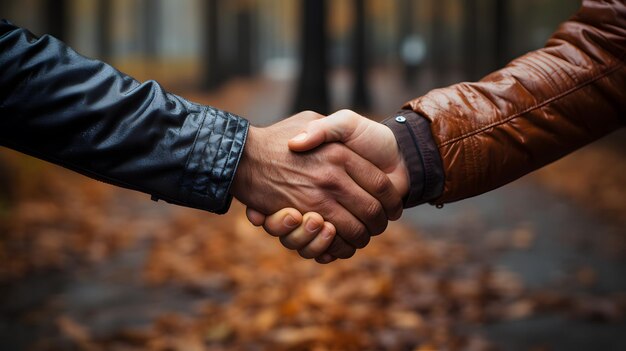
[537,109]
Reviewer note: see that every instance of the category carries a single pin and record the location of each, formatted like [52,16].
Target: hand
[374,141]
[308,234]
[333,181]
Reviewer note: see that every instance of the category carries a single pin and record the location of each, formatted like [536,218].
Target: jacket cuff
[421,156]
[214,159]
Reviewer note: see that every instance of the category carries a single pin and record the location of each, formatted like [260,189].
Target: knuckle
[377,219]
[358,235]
[311,114]
[335,153]
[374,210]
[329,179]
[347,115]
[381,183]
[325,204]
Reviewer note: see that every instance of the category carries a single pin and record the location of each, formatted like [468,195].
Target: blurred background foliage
[191,44]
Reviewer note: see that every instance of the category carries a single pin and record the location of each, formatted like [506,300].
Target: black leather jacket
[84,115]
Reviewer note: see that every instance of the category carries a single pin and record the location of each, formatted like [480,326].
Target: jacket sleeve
[85,115]
[539,108]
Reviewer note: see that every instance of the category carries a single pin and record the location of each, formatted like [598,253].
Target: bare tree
[312,90]
[470,39]
[56,18]
[212,77]
[501,21]
[438,38]
[245,38]
[103,20]
[151,26]
[5,8]
[406,9]
[360,95]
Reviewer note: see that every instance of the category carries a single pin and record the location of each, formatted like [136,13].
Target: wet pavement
[565,238]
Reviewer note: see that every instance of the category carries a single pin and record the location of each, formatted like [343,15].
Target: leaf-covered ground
[406,291]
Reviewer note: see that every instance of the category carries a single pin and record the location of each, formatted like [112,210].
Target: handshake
[344,172]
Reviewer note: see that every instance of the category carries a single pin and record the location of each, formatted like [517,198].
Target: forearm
[85,115]
[539,108]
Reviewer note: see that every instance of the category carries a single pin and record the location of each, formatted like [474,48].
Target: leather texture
[539,108]
[84,115]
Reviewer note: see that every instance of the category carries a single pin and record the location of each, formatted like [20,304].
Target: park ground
[539,264]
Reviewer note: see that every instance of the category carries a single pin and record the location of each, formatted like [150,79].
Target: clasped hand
[344,172]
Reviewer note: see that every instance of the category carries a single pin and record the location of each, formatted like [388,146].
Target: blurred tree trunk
[501,11]
[312,90]
[360,98]
[4,9]
[470,39]
[211,55]
[438,51]
[151,27]
[406,11]
[56,18]
[103,19]
[245,42]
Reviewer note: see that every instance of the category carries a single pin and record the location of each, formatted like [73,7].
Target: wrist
[241,181]
[420,155]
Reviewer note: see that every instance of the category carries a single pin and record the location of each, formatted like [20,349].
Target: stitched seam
[419,153]
[186,171]
[241,123]
[198,173]
[232,146]
[469,171]
[427,162]
[475,159]
[552,99]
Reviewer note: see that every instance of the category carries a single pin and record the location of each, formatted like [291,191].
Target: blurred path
[551,242]
[556,239]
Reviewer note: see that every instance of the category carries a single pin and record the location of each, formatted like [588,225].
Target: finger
[255,217]
[362,205]
[352,231]
[283,222]
[337,127]
[339,248]
[378,185]
[356,132]
[325,259]
[302,235]
[320,242]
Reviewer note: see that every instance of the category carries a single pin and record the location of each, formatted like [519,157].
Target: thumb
[336,127]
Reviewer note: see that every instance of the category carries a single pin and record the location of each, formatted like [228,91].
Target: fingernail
[312,226]
[290,222]
[299,137]
[327,234]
